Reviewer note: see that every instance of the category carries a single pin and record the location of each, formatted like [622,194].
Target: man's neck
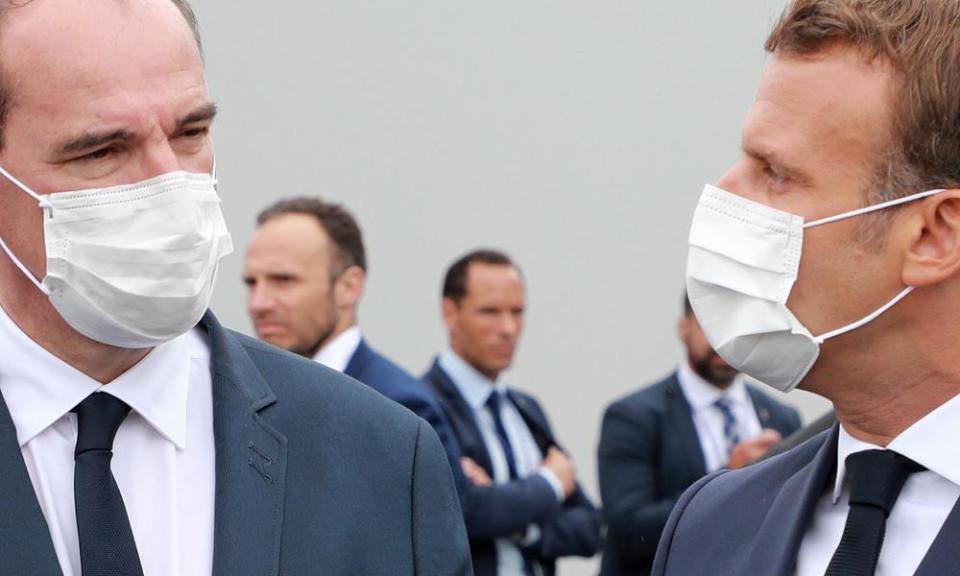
[879,400]
[37,318]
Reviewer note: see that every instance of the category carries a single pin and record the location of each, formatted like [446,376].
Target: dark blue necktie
[493,404]
[107,547]
[875,478]
[731,430]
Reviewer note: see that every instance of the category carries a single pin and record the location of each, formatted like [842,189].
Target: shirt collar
[336,353]
[702,394]
[915,443]
[39,388]
[474,386]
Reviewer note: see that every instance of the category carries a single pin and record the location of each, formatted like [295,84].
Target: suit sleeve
[504,509]
[627,463]
[440,543]
[573,531]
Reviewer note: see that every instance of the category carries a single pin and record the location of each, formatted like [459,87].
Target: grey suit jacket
[752,521]
[315,474]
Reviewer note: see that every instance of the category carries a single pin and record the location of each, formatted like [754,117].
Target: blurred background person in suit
[523,505]
[659,440]
[305,270]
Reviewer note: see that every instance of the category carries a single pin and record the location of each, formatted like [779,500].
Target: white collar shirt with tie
[708,419]
[919,512]
[476,389]
[163,454]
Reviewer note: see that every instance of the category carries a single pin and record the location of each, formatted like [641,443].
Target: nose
[260,301]
[740,179]
[509,326]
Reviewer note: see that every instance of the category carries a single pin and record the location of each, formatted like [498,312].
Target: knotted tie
[875,478]
[493,403]
[731,430]
[107,547]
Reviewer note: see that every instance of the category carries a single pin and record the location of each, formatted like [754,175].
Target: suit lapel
[25,543]
[461,417]
[680,418]
[535,423]
[359,360]
[943,557]
[250,463]
[778,538]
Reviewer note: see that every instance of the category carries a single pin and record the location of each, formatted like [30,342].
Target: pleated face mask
[134,265]
[742,263]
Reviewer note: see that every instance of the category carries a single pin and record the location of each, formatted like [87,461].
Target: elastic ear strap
[867,209]
[44,203]
[866,320]
[23,268]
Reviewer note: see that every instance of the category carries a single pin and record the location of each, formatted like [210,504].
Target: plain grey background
[576,135]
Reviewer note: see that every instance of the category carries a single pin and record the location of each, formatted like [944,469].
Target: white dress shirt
[476,389]
[920,511]
[337,353]
[708,419]
[164,451]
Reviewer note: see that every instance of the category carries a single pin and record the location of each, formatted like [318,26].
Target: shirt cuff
[531,537]
[554,482]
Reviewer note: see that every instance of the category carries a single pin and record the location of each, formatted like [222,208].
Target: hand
[747,451]
[562,467]
[475,473]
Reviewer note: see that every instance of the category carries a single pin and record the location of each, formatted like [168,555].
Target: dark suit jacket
[379,373]
[571,528]
[649,454]
[315,474]
[790,442]
[752,521]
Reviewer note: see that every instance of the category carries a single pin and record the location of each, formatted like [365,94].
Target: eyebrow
[91,140]
[773,159]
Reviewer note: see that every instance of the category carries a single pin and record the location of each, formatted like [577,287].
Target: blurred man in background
[659,440]
[305,270]
[523,506]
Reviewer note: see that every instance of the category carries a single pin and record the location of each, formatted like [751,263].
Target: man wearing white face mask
[138,436]
[828,257]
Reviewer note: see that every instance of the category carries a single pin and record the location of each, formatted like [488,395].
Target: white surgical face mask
[133,265]
[742,263]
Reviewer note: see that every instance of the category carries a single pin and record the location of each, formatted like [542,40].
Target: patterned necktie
[493,404]
[875,478]
[107,547]
[731,430]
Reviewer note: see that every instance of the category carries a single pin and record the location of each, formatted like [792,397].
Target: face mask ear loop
[873,208]
[42,200]
[23,268]
[213,175]
[868,319]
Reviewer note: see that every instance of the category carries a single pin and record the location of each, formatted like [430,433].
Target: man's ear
[450,311]
[348,288]
[933,255]
[683,328]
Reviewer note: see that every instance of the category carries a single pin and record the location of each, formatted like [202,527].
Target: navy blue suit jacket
[571,528]
[752,521]
[379,373]
[649,454]
[315,474]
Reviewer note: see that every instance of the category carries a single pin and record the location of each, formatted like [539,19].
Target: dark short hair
[455,281]
[5,5]
[920,39]
[335,220]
